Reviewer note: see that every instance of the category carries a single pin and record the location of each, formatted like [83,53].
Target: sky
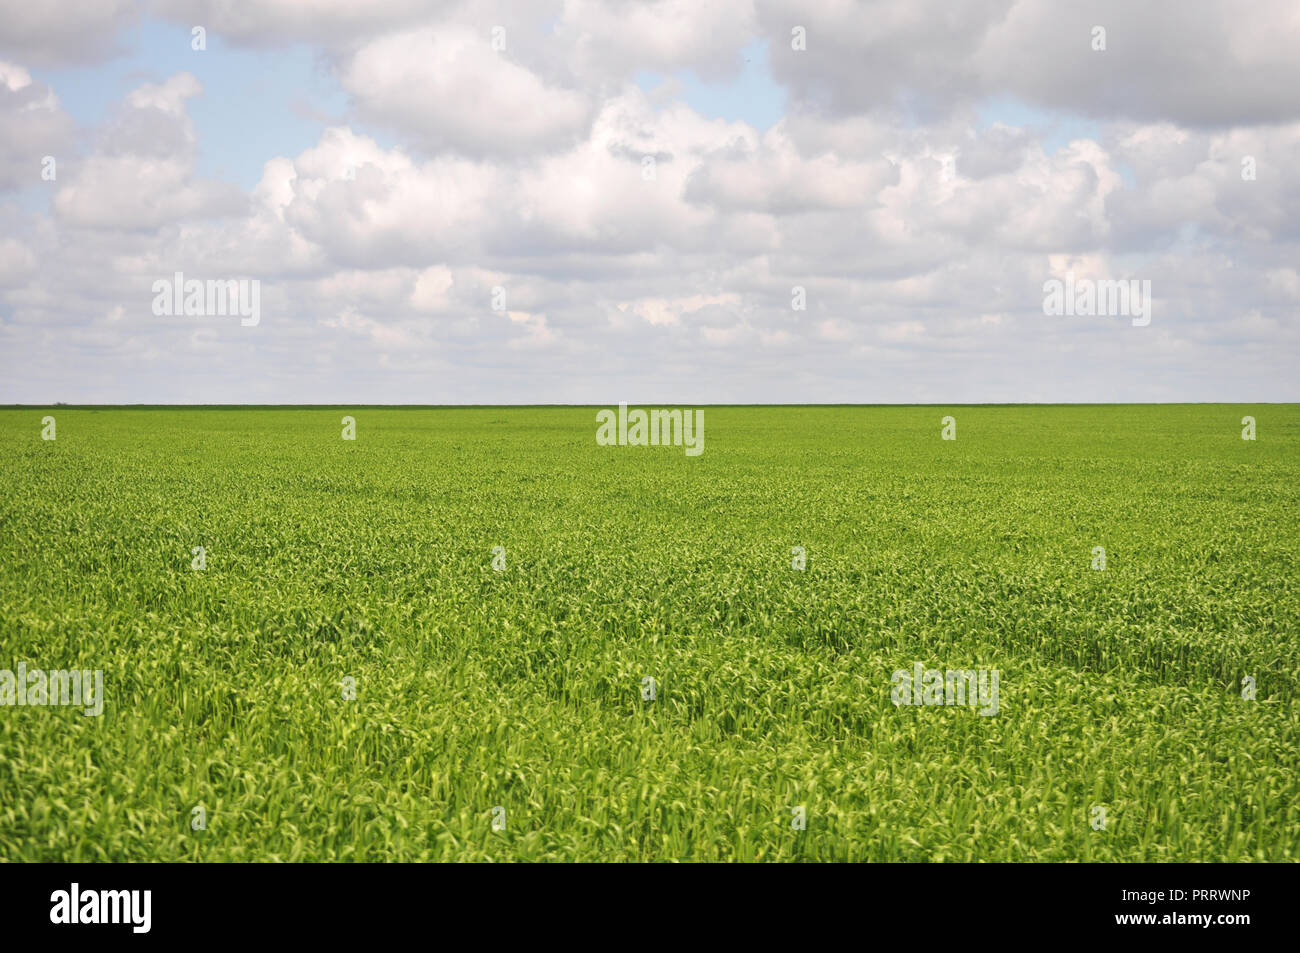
[672,203]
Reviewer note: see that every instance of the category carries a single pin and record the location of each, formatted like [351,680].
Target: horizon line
[165,406]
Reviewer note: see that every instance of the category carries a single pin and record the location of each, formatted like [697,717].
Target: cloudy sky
[647,184]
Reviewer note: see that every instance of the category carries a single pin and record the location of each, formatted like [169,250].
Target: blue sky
[752,96]
[255,103]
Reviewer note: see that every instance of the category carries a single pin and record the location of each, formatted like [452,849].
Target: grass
[372,560]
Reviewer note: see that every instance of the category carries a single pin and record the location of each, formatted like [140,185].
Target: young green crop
[327,560]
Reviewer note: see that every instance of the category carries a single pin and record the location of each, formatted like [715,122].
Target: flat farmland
[477,634]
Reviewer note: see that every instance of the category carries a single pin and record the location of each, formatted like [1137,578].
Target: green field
[522,689]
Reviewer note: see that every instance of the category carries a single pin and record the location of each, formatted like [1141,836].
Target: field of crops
[501,712]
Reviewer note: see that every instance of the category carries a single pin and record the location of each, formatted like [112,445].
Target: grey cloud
[1195,62]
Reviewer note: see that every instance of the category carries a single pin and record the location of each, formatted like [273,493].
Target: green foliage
[371,559]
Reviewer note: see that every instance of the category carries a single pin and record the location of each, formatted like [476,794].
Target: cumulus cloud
[608,39]
[68,32]
[526,223]
[142,176]
[1195,62]
[447,89]
[269,23]
[32,127]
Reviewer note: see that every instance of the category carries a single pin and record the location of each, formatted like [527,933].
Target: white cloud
[125,187]
[32,126]
[610,39]
[445,88]
[70,31]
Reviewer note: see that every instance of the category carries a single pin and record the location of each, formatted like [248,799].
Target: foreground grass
[475,689]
